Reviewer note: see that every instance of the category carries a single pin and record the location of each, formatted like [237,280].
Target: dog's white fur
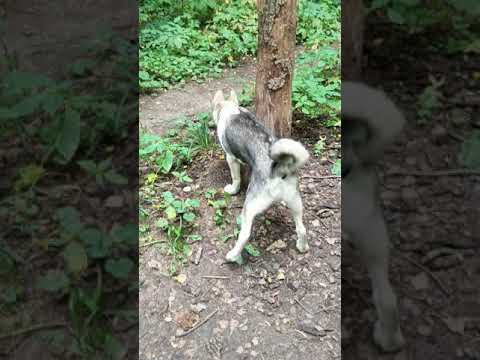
[362,217]
[289,146]
[276,189]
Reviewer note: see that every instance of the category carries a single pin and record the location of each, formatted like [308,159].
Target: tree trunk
[277,24]
[353,22]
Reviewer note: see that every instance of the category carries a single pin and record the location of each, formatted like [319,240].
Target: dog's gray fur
[369,123]
[273,162]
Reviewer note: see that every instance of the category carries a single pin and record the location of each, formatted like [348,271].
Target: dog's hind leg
[251,208]
[234,166]
[295,205]
[373,242]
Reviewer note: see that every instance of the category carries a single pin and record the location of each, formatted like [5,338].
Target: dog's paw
[302,247]
[230,189]
[388,342]
[232,256]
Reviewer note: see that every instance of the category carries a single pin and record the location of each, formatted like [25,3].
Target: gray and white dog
[274,164]
[370,121]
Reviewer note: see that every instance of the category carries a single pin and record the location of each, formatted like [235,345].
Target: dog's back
[248,141]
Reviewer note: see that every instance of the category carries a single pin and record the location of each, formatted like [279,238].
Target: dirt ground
[157,110]
[433,220]
[280,305]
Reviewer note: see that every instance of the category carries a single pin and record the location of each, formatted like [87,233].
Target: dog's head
[219,102]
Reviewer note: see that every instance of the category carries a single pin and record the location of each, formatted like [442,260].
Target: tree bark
[353,23]
[277,24]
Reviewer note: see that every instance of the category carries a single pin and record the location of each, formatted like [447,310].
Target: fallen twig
[302,333]
[31,329]
[453,172]
[222,277]
[420,266]
[325,308]
[198,325]
[322,177]
[152,243]
[302,306]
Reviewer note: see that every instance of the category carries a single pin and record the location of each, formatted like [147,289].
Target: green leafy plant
[167,155]
[337,167]
[247,95]
[181,176]
[68,122]
[103,172]
[429,100]
[81,246]
[219,202]
[199,136]
[316,85]
[177,224]
[318,23]
[319,147]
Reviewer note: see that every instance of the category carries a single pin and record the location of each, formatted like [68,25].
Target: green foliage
[103,172]
[177,224]
[28,176]
[251,250]
[166,153]
[66,121]
[182,176]
[319,147]
[318,23]
[82,246]
[429,100]
[199,136]
[337,167]
[219,202]
[182,47]
[470,150]
[247,95]
[316,85]
[85,112]
[457,18]
[192,40]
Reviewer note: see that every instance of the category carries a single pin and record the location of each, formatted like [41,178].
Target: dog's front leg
[252,207]
[234,166]
[295,205]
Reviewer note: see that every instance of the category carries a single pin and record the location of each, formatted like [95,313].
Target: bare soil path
[159,110]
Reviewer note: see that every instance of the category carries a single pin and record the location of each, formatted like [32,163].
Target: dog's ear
[233,97]
[218,97]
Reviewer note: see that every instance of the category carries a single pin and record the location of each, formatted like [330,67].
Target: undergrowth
[61,136]
[182,41]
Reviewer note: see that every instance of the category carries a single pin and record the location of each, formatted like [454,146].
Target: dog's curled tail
[364,103]
[288,155]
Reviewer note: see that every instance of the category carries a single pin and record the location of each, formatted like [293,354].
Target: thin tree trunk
[277,24]
[353,23]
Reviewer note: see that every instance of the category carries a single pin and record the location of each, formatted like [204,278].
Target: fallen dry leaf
[181,278]
[277,245]
[186,319]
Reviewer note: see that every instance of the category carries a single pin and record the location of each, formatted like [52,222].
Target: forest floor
[432,218]
[279,305]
